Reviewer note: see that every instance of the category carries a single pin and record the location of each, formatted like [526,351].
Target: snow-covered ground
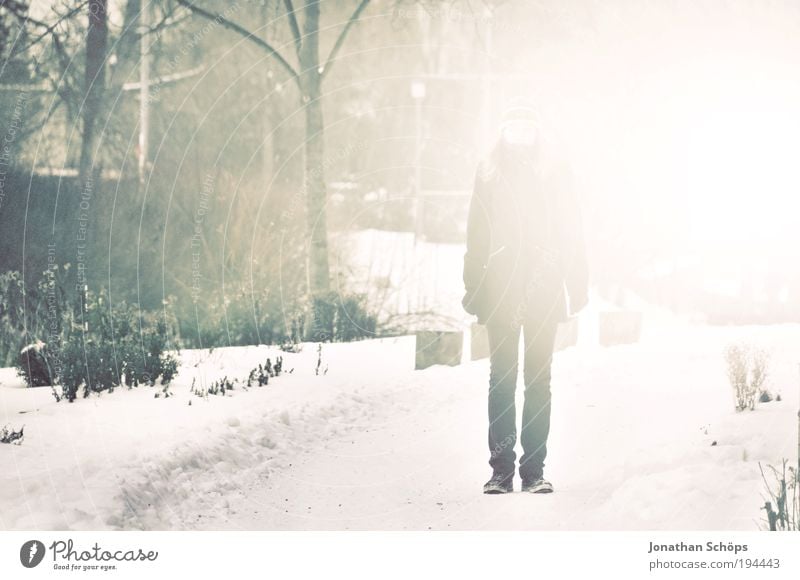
[373,444]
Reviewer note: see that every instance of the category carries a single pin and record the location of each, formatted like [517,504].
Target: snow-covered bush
[118,345]
[765,396]
[11,436]
[782,504]
[33,365]
[747,371]
[262,373]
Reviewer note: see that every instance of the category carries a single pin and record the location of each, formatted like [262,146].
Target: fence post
[438,348]
[770,517]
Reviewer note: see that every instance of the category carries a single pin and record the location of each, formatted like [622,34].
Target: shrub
[353,320]
[30,314]
[262,373]
[86,342]
[765,397]
[33,365]
[12,312]
[11,436]
[341,318]
[747,371]
[241,316]
[758,370]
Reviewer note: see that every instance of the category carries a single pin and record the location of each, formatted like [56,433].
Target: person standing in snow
[525,247]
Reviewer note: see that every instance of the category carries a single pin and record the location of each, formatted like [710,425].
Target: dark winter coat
[525,243]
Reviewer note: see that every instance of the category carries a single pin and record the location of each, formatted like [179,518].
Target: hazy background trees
[273,125]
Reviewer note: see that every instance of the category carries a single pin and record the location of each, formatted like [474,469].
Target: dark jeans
[539,340]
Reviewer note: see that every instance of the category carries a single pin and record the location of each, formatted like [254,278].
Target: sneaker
[537,486]
[499,483]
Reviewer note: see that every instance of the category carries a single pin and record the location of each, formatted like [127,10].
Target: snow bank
[128,460]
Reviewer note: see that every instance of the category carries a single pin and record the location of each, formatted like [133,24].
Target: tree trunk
[318,268]
[94,83]
[144,92]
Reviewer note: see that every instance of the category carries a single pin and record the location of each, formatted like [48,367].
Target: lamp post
[488,80]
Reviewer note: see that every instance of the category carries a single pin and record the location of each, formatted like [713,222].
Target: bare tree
[308,77]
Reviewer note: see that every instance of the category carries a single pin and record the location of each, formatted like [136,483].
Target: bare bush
[747,372]
[758,371]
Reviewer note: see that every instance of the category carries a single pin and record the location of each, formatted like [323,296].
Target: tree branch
[293,24]
[166,21]
[62,86]
[48,28]
[339,41]
[244,33]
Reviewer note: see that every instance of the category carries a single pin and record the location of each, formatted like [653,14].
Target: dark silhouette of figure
[525,255]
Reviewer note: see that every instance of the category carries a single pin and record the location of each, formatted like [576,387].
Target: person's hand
[578,303]
[469,303]
[472,305]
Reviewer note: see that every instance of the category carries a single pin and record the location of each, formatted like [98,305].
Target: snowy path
[630,449]
[421,469]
